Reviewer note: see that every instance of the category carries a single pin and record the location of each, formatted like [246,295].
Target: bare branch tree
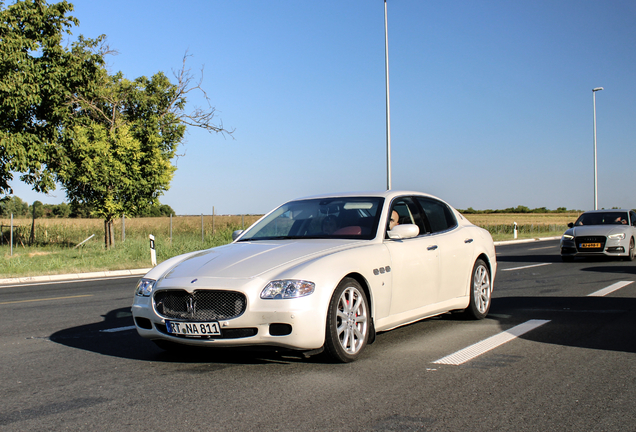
[199,117]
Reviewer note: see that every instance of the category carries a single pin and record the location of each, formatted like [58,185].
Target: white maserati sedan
[322,273]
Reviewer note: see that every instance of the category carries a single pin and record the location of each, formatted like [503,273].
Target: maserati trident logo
[191,306]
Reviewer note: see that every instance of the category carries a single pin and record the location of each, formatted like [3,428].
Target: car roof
[608,211]
[390,194]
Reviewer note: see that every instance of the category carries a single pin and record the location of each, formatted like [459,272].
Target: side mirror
[405,231]
[236,234]
[571,224]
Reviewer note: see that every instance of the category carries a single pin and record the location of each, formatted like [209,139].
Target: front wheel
[632,251]
[348,322]
[480,291]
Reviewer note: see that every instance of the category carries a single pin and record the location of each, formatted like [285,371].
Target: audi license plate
[193,328]
[590,245]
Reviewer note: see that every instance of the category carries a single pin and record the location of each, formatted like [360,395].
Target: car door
[414,262]
[455,248]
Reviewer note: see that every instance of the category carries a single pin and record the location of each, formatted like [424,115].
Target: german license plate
[193,328]
[590,245]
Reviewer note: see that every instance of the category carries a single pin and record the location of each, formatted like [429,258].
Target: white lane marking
[526,267]
[610,289]
[546,247]
[46,299]
[118,329]
[469,353]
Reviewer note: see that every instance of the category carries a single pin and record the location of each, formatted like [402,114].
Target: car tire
[480,291]
[566,258]
[348,322]
[632,252]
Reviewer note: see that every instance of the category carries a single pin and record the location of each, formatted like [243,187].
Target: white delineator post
[153,252]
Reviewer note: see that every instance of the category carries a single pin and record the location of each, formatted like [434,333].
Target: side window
[632,216]
[439,215]
[408,213]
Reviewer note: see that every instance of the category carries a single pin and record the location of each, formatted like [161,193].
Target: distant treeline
[14,205]
[518,209]
[19,208]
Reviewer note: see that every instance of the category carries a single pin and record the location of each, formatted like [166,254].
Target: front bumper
[608,247]
[297,324]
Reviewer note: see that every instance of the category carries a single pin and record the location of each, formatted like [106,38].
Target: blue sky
[491,101]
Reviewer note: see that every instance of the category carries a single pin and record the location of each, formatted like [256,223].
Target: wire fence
[525,229]
[70,232]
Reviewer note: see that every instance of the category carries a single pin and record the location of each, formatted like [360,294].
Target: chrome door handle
[432,247]
[468,241]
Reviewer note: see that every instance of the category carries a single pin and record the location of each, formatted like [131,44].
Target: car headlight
[568,237]
[145,287]
[620,236]
[286,289]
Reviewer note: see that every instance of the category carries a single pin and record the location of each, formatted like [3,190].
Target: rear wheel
[348,322]
[480,291]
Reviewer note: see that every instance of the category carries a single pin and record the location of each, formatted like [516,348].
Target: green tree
[62,210]
[116,152]
[113,173]
[109,141]
[36,210]
[13,206]
[35,74]
[157,211]
[80,211]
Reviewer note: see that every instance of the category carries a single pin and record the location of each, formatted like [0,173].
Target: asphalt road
[69,360]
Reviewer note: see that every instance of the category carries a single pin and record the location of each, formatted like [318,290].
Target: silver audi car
[601,232]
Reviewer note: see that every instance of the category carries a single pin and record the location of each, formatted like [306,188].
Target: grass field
[529,225]
[54,247]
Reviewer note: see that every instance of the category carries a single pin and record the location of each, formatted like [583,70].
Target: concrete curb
[62,277]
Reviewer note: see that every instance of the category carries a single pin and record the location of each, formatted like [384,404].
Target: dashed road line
[118,329]
[45,299]
[545,247]
[469,353]
[610,289]
[526,267]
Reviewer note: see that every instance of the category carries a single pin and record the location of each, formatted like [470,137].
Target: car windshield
[344,218]
[602,218]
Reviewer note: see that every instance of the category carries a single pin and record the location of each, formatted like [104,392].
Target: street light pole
[595,166]
[388,109]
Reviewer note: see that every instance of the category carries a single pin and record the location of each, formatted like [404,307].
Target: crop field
[529,225]
[70,232]
[53,246]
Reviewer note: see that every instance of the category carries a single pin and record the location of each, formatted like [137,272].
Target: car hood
[250,259]
[596,230]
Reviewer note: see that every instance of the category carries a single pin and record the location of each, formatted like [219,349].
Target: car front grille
[201,305]
[588,240]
